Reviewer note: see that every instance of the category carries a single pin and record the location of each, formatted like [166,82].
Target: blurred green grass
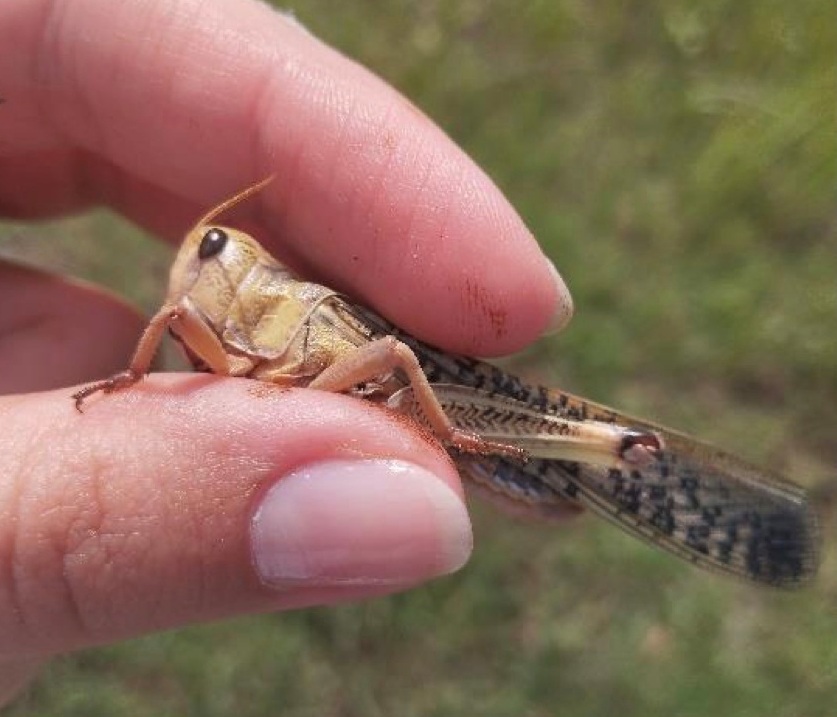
[677,161]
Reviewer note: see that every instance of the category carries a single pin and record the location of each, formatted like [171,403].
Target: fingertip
[208,494]
[370,194]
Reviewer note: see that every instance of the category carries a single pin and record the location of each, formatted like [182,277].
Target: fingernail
[366,522]
[563,305]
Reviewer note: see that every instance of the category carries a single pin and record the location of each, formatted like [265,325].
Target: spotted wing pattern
[710,509]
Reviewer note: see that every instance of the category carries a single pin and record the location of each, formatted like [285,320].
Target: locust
[237,311]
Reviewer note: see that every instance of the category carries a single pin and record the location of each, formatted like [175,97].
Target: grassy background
[677,160]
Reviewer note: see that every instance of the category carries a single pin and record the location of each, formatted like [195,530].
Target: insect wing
[696,501]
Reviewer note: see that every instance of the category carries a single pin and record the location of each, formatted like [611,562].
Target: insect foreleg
[191,330]
[141,360]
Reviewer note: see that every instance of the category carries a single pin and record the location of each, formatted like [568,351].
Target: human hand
[191,497]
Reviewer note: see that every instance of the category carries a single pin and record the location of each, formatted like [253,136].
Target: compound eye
[212,243]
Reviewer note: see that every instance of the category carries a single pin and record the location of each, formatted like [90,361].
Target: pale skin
[82,139]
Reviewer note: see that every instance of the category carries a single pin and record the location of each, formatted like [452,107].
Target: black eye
[212,243]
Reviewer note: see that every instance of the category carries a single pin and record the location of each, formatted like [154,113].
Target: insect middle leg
[380,357]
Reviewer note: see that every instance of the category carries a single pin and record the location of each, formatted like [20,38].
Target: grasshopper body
[239,312]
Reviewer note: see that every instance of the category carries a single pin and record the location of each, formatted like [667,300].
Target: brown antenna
[232,201]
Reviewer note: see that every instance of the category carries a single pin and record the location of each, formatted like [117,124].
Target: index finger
[180,104]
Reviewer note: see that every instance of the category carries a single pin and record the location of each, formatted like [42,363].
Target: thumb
[191,497]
